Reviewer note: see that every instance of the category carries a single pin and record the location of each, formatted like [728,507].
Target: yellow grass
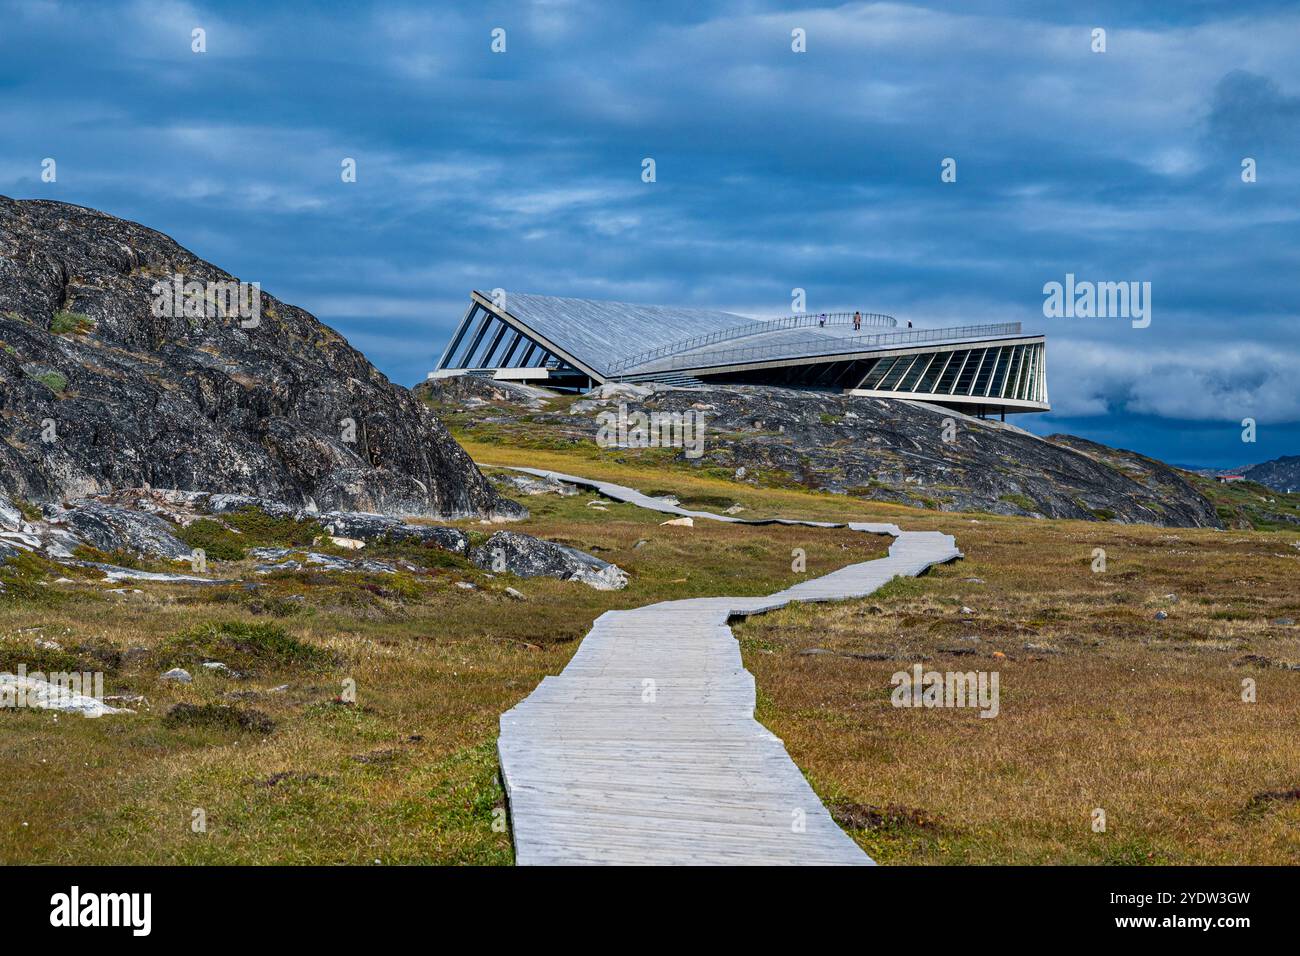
[1141,718]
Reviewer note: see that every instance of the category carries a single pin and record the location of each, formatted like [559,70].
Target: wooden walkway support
[645,750]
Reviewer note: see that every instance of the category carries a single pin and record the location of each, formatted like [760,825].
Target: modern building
[576,344]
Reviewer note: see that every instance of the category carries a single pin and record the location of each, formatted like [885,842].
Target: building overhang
[864,355]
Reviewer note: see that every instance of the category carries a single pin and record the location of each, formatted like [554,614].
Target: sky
[775,170]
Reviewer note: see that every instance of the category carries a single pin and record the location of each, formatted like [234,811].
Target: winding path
[645,750]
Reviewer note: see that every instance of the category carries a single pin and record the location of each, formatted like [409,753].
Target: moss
[259,528]
[122,559]
[47,660]
[53,381]
[1024,502]
[242,647]
[217,541]
[29,510]
[21,576]
[75,323]
[220,716]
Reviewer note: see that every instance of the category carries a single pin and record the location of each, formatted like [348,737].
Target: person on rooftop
[857,321]
[821,320]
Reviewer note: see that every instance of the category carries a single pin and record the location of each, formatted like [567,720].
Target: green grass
[228,537]
[54,381]
[242,646]
[1248,504]
[64,323]
[1024,502]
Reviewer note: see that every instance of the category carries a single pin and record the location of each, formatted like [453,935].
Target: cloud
[1223,383]
[775,170]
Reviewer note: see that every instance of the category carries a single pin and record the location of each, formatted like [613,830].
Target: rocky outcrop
[1280,474]
[528,485]
[369,527]
[141,522]
[529,557]
[110,528]
[904,452]
[109,380]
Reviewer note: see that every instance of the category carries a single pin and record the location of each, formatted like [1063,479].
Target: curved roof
[601,334]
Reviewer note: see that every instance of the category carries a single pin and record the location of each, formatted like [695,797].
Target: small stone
[974,580]
[740,472]
[215,666]
[1284,621]
[1172,598]
[966,610]
[734,510]
[1043,648]
[178,674]
[814,652]
[516,594]
[679,522]
[1161,616]
[640,544]
[465,586]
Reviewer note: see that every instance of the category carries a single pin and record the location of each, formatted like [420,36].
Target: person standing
[857,321]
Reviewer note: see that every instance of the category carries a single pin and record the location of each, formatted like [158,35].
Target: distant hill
[1280,474]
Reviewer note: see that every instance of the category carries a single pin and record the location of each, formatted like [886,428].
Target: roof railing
[837,347]
[802,320]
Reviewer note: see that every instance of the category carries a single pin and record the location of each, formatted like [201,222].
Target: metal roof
[601,333]
[615,339]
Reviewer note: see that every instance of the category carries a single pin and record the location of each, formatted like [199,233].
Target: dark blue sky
[775,170]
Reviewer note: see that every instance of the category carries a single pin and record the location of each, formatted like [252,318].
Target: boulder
[272,404]
[530,557]
[110,528]
[370,527]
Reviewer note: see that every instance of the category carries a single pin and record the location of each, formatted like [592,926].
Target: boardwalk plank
[598,772]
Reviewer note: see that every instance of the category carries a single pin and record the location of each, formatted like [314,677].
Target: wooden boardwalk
[645,750]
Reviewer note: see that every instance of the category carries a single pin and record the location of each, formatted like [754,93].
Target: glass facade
[993,372]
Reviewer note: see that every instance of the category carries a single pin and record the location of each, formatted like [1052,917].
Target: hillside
[1280,474]
[876,449]
[114,374]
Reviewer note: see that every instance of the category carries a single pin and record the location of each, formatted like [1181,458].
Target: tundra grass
[1101,705]
[403,770]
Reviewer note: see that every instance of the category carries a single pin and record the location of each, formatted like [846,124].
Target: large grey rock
[371,527]
[530,557]
[528,485]
[110,528]
[11,519]
[197,403]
